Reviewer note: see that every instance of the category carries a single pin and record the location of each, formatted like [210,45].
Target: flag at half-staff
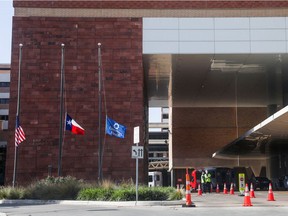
[73,126]
[19,132]
[113,128]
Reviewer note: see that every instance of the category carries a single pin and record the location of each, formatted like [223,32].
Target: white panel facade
[230,47]
[215,35]
[232,23]
[198,47]
[196,35]
[232,35]
[161,35]
[196,23]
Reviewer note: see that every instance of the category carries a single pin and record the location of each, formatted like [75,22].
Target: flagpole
[17,114]
[61,111]
[100,175]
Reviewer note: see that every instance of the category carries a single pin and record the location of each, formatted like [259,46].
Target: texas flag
[72,126]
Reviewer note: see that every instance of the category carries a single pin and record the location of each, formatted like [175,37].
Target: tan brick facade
[199,132]
[152,8]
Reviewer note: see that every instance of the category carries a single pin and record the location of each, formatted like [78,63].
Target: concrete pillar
[284,68]
[271,91]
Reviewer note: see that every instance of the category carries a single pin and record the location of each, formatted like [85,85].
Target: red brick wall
[41,65]
[164,4]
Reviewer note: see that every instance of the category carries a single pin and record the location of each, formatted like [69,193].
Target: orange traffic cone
[211,188]
[225,189]
[199,190]
[252,194]
[247,200]
[188,192]
[232,189]
[217,188]
[270,193]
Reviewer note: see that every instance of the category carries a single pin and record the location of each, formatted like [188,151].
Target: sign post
[135,150]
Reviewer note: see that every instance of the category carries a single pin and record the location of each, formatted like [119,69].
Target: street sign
[136,134]
[241,183]
[137,152]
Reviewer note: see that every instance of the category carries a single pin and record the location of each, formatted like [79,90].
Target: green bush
[103,194]
[124,194]
[12,193]
[54,188]
[129,194]
[175,195]
[69,188]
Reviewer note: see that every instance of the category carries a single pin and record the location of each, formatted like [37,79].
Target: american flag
[19,133]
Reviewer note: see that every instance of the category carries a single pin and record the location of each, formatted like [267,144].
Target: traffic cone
[252,194]
[247,200]
[199,190]
[188,192]
[225,189]
[270,193]
[217,188]
[232,189]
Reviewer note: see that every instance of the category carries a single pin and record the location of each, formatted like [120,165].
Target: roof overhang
[253,144]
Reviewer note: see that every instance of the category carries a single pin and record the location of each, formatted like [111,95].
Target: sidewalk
[227,200]
[206,200]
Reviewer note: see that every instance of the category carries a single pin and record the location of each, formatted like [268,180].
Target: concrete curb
[95,203]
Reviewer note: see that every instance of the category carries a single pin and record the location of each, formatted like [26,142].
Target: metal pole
[17,114]
[61,111]
[137,177]
[100,114]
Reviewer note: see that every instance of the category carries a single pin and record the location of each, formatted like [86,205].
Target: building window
[4,84]
[4,100]
[4,117]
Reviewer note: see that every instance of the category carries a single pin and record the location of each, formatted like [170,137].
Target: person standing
[207,176]
[203,182]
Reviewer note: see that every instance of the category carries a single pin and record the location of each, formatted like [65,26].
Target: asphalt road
[207,204]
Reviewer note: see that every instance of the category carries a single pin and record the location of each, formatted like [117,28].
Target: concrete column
[284,68]
[271,91]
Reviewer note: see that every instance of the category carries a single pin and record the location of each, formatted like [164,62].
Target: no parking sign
[242,183]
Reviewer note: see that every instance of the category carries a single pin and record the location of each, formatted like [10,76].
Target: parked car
[283,182]
[262,183]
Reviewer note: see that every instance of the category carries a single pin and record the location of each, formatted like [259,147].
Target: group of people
[205,181]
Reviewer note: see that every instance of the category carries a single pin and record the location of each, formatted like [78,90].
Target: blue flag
[115,129]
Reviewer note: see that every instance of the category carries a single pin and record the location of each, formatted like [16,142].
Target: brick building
[214,63]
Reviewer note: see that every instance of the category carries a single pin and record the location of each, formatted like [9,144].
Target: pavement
[208,200]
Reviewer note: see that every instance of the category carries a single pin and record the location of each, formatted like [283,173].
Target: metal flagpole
[99,114]
[17,114]
[61,111]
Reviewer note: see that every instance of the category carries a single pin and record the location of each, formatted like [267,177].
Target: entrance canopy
[257,141]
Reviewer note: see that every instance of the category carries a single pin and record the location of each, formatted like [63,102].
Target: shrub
[175,195]
[102,194]
[153,193]
[129,194]
[124,194]
[11,193]
[69,188]
[54,188]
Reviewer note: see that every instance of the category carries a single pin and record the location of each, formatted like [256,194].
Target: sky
[6,13]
